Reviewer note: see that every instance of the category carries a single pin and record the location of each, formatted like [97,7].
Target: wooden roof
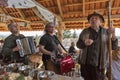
[72,13]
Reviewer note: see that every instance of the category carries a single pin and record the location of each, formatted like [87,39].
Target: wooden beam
[37,22]
[60,9]
[60,28]
[21,13]
[76,4]
[111,3]
[1,10]
[4,10]
[4,25]
[83,24]
[9,17]
[42,0]
[83,8]
[80,12]
[113,17]
[13,13]
[98,1]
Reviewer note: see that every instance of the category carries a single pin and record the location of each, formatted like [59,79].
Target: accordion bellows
[27,46]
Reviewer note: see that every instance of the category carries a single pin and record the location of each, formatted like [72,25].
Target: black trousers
[8,59]
[90,72]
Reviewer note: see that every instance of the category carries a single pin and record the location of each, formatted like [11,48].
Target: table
[61,77]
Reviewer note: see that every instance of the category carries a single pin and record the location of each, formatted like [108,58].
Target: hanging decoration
[49,16]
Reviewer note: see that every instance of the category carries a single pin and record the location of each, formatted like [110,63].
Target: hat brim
[96,14]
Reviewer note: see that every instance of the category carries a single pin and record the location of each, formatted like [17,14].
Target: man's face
[50,29]
[13,28]
[95,21]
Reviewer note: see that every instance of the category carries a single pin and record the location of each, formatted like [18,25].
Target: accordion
[27,46]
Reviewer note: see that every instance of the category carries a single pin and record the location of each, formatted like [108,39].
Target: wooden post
[109,36]
[60,30]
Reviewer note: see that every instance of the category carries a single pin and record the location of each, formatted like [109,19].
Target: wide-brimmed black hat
[96,14]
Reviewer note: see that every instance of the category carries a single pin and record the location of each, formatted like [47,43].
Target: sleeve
[22,36]
[7,49]
[43,41]
[80,43]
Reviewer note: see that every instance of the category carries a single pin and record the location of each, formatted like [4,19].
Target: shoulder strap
[60,43]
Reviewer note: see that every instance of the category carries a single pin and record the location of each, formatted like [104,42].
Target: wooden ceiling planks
[116,3]
[72,12]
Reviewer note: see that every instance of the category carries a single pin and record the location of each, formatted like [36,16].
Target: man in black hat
[94,44]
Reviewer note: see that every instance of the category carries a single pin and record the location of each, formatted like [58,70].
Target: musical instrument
[27,46]
[66,64]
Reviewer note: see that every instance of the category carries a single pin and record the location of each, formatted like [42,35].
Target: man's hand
[111,30]
[64,54]
[17,48]
[88,42]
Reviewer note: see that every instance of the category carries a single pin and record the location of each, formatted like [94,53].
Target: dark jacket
[97,53]
[9,44]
